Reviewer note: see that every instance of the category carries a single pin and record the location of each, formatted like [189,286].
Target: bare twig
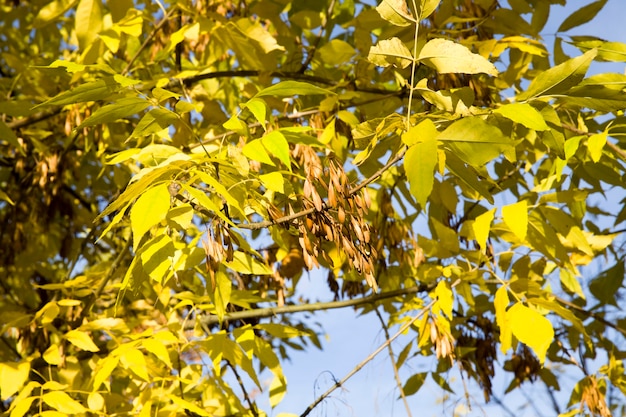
[311,54]
[394,365]
[365,361]
[34,118]
[275,311]
[145,43]
[243,389]
[116,263]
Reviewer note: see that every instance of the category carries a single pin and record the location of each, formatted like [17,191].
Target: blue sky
[349,339]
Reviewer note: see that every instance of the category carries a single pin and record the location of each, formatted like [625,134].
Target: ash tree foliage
[172,171]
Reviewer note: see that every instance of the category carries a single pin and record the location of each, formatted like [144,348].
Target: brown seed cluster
[339,218]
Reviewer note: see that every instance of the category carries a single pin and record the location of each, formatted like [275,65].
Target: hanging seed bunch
[338,217]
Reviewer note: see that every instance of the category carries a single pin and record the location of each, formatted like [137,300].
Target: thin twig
[394,365]
[591,314]
[311,54]
[145,43]
[275,311]
[243,389]
[104,282]
[34,118]
[413,67]
[365,361]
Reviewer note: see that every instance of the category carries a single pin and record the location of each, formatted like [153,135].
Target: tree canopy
[171,172]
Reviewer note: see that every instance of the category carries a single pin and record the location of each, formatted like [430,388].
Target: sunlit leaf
[390,52]
[561,78]
[516,217]
[12,377]
[62,402]
[531,328]
[524,114]
[293,88]
[149,209]
[446,57]
[582,15]
[482,227]
[395,12]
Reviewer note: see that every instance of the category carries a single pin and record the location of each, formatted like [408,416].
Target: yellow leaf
[501,301]
[22,407]
[516,217]
[88,21]
[149,209]
[95,401]
[278,389]
[445,298]
[531,328]
[63,402]
[188,406]
[81,340]
[595,143]
[52,355]
[104,370]
[134,360]
[12,378]
[158,349]
[481,227]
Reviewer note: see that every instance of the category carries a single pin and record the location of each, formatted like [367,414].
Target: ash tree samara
[173,171]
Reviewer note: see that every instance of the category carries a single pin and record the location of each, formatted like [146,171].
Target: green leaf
[559,79]
[149,209]
[582,15]
[257,152]
[122,108]
[414,383]
[475,141]
[390,52]
[280,330]
[154,121]
[531,328]
[191,407]
[595,144]
[221,295]
[157,257]
[450,57]
[246,264]
[92,91]
[395,12]
[7,134]
[336,52]
[482,227]
[273,181]
[62,402]
[441,381]
[88,21]
[206,202]
[293,88]
[52,11]
[419,164]
[259,109]
[277,145]
[515,216]
[523,114]
[607,284]
[81,340]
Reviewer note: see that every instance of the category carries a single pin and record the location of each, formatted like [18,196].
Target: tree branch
[311,54]
[394,365]
[275,311]
[365,361]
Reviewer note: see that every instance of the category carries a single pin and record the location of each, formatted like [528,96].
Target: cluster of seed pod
[340,218]
[218,247]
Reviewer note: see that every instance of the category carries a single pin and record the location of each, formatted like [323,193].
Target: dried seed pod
[341,214]
[367,198]
[317,200]
[332,198]
[329,232]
